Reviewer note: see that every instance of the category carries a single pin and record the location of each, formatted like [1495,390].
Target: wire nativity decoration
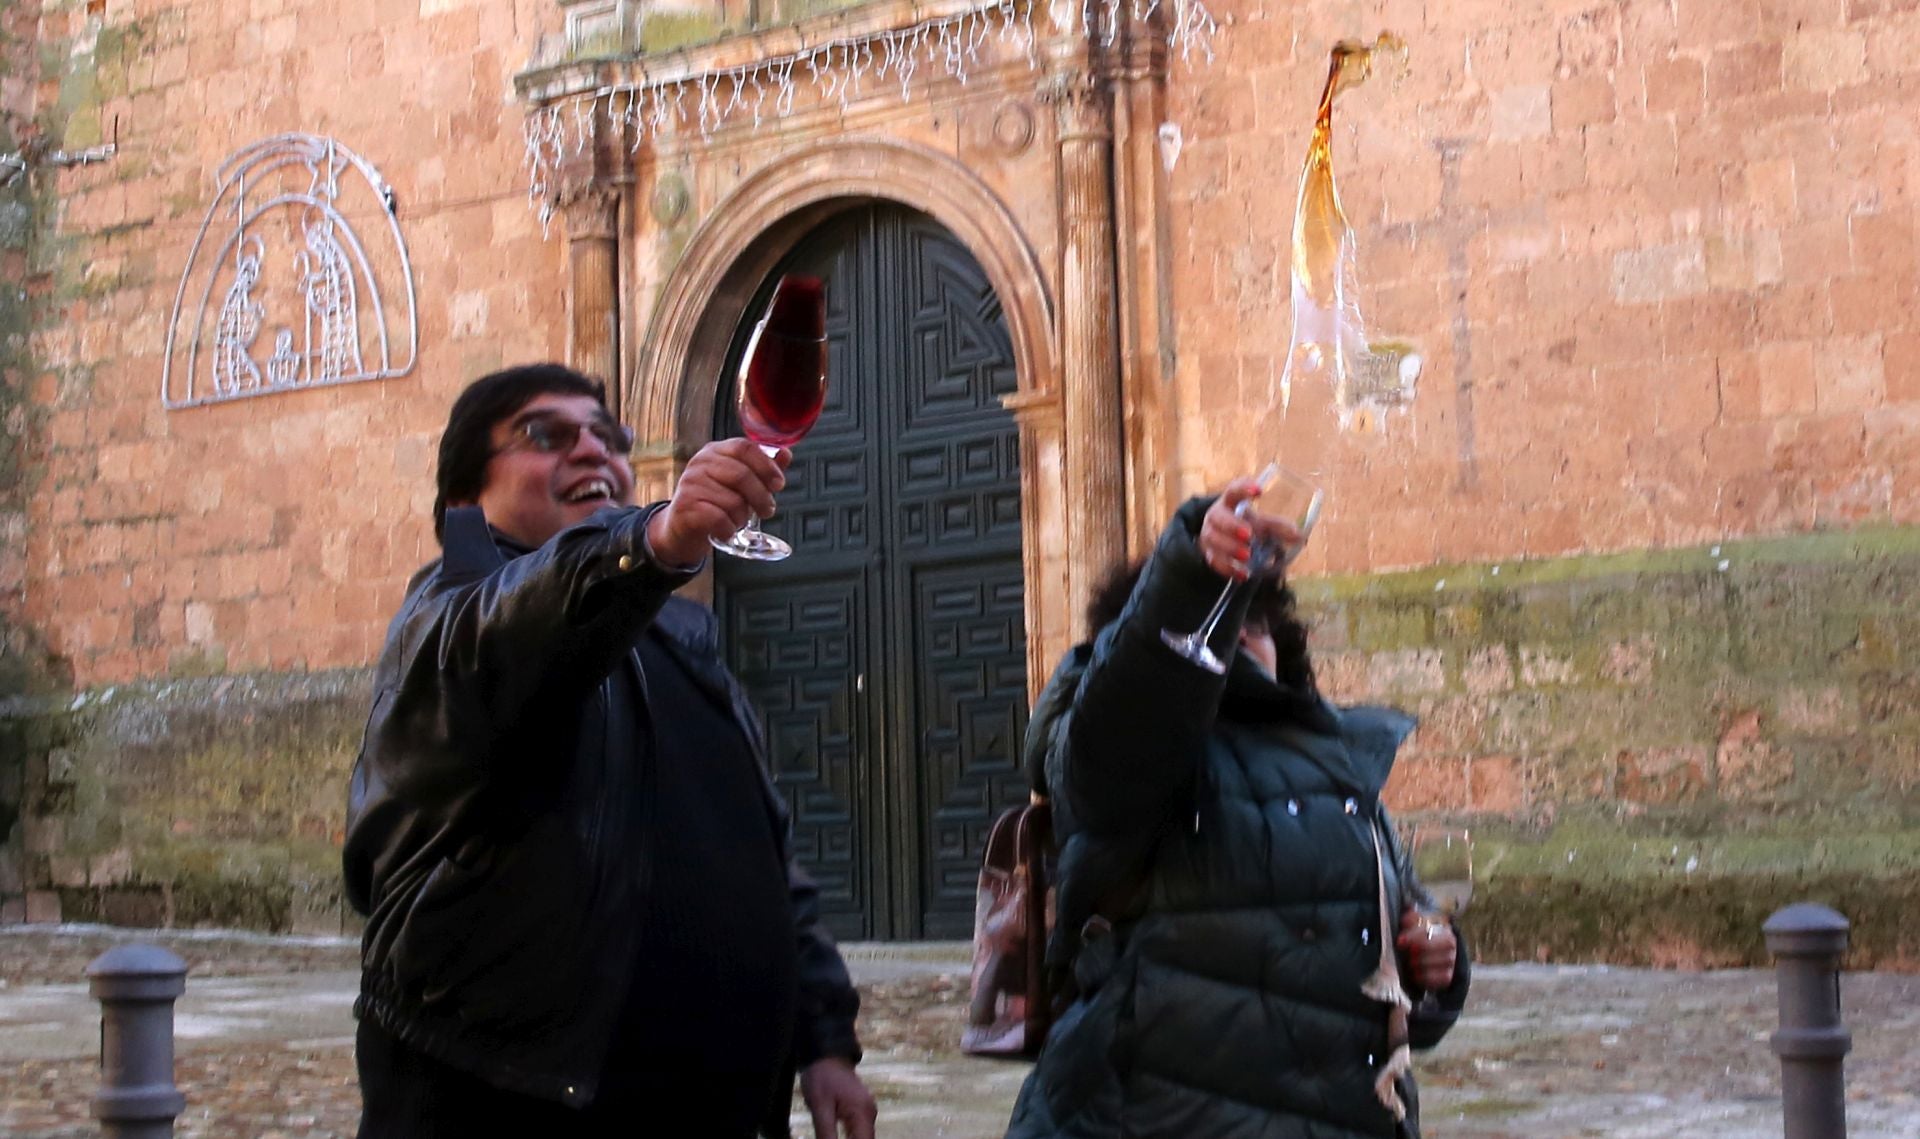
[289,258]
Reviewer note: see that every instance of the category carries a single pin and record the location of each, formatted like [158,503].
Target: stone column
[1145,276]
[592,213]
[1043,539]
[1095,459]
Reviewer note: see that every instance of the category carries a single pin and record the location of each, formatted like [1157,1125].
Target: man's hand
[1227,534]
[724,483]
[837,1099]
[1428,946]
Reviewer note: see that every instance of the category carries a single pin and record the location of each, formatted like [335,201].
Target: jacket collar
[1252,695]
[1373,737]
[1355,746]
[468,548]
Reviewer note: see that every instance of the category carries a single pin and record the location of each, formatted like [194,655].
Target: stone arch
[675,378]
[677,372]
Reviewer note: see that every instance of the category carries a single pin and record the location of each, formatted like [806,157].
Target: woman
[1241,929]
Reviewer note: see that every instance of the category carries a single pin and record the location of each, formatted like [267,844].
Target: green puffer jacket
[1218,893]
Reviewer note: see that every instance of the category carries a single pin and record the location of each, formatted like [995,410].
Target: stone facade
[1658,257]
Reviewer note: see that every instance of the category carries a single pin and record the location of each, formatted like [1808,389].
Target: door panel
[896,732]
[794,647]
[971,710]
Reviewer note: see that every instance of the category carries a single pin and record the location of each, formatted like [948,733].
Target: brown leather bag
[1010,1007]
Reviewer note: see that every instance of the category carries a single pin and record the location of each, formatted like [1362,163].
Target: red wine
[799,307]
[783,384]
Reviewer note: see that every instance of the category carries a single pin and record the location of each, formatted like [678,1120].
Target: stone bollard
[136,986]
[1807,942]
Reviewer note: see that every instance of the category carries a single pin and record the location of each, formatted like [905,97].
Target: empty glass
[1443,861]
[1287,494]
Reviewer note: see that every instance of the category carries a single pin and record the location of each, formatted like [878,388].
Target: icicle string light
[837,71]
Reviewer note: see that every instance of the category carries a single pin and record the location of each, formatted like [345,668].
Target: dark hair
[1110,595]
[1272,603]
[467,443]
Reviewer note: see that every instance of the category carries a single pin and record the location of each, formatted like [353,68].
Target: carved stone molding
[739,240]
[592,215]
[1082,102]
[671,199]
[1013,127]
[591,210]
[1035,408]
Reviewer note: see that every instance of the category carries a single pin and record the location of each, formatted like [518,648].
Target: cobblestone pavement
[265,1046]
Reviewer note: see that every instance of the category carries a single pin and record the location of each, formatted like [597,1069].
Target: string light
[951,46]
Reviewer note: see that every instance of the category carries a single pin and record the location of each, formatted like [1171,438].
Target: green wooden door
[888,655]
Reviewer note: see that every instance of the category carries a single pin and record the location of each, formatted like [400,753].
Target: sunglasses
[550,433]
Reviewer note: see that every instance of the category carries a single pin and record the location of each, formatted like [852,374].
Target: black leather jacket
[499,823]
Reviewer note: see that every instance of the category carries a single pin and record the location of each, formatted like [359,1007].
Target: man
[582,917]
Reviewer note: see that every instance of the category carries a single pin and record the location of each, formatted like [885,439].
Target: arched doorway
[888,656]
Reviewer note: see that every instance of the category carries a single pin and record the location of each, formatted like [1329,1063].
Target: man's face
[540,481]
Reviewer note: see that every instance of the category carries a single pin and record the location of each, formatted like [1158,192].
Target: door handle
[860,683]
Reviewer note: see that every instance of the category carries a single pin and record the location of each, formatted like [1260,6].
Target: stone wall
[1654,751]
[1658,255]
[272,533]
[24,668]
[188,580]
[192,802]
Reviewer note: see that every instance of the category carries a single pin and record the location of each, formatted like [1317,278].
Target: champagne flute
[782,388]
[1292,496]
[1443,861]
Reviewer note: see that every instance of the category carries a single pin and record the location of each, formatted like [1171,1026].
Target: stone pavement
[265,1046]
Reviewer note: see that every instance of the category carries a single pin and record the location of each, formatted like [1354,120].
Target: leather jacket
[499,821]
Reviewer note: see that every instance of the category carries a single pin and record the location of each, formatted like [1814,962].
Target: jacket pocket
[497,940]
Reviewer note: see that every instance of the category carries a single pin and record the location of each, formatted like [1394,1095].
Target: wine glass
[1286,493]
[1443,862]
[782,387]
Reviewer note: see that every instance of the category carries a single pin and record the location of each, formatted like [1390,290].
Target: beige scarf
[1384,986]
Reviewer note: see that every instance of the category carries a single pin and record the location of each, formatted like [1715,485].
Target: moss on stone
[795,10]
[1686,889]
[237,885]
[671,31]
[1699,921]
[1890,547]
[222,796]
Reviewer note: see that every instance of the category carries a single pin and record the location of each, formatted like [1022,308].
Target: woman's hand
[1428,946]
[1229,532]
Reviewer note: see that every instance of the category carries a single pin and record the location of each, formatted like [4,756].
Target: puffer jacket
[499,820]
[1218,890]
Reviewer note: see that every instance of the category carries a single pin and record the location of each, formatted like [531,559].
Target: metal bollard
[1807,942]
[136,986]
